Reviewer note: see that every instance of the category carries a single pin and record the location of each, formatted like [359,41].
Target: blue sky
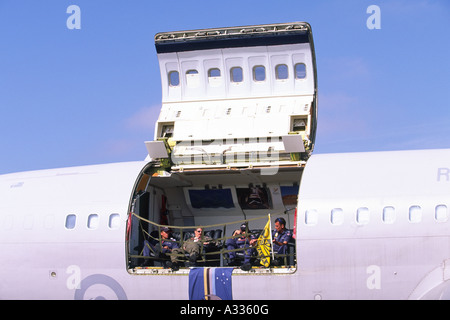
[91,96]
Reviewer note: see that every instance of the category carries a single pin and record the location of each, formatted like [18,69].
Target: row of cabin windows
[237,74]
[93,221]
[389,215]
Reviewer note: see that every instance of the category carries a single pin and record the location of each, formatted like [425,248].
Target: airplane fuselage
[233,146]
[367,232]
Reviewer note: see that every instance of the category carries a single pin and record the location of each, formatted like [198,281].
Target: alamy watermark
[374,20]
[230,151]
[74,20]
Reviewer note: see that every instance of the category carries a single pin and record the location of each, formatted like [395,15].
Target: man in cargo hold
[192,246]
[241,240]
[165,246]
[280,238]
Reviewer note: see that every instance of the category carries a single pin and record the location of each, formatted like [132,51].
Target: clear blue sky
[91,96]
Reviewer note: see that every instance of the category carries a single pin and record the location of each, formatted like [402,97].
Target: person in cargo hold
[280,238]
[241,240]
[166,245]
[192,247]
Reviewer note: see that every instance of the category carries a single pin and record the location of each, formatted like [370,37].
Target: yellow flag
[264,245]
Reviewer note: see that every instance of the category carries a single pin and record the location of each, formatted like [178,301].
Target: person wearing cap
[165,246]
[167,243]
[241,240]
[280,237]
[192,246]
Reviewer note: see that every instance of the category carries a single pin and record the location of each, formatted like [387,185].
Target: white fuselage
[369,225]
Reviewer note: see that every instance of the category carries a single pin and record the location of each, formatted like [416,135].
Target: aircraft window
[213,73]
[114,221]
[259,73]
[300,71]
[93,221]
[363,216]
[281,72]
[415,214]
[311,217]
[214,77]
[441,213]
[388,215]
[174,78]
[237,74]
[71,220]
[337,216]
[192,78]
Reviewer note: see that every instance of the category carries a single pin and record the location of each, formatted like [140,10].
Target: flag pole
[271,241]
